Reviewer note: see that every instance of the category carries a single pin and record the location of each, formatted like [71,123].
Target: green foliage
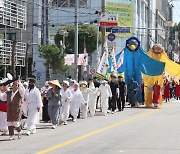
[87,35]
[54,58]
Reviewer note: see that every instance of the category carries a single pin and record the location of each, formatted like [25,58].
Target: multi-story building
[12,23]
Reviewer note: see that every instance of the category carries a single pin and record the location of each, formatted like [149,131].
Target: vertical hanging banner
[124,10]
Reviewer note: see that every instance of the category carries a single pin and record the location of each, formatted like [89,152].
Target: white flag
[120,59]
[104,64]
[113,66]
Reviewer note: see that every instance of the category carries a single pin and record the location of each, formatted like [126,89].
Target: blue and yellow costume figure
[136,61]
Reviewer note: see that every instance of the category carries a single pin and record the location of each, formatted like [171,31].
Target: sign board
[121,30]
[69,59]
[111,37]
[125,11]
[108,20]
[92,71]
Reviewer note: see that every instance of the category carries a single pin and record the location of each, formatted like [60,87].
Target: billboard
[124,9]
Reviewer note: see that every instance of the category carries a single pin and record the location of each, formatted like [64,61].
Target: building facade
[13,21]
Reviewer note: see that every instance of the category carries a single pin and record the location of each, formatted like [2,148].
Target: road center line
[98,131]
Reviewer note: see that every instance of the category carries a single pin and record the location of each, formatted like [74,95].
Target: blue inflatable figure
[136,61]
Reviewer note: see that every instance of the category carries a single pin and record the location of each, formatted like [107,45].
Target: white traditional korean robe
[3,115]
[105,93]
[66,97]
[77,100]
[34,101]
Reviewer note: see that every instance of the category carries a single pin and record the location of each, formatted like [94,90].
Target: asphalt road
[133,131]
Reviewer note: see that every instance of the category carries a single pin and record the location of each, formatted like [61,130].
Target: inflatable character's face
[132,44]
[157,49]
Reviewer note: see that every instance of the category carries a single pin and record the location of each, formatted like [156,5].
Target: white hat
[103,81]
[46,83]
[73,81]
[25,84]
[83,82]
[76,84]
[66,82]
[4,80]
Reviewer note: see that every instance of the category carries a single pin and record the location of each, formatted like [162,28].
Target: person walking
[53,97]
[115,93]
[33,97]
[166,94]
[122,93]
[66,97]
[156,94]
[132,92]
[45,115]
[177,91]
[3,106]
[105,94]
[14,111]
[77,100]
[93,94]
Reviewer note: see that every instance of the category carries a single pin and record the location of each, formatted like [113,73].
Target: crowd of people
[20,103]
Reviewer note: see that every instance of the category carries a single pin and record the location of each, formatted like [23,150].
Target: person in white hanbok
[3,106]
[66,96]
[85,92]
[71,84]
[94,93]
[77,100]
[105,94]
[33,98]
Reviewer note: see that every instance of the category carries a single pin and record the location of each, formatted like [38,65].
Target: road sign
[109,20]
[93,71]
[111,37]
[121,30]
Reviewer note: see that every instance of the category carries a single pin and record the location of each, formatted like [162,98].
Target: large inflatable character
[136,61]
[171,68]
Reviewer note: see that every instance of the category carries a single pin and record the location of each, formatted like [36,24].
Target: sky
[176,11]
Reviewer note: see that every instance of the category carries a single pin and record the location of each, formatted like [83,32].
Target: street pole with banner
[76,40]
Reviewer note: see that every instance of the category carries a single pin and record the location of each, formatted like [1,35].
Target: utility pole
[76,40]
[148,24]
[103,29]
[47,38]
[26,61]
[13,58]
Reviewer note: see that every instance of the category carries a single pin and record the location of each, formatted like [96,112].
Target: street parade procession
[133,78]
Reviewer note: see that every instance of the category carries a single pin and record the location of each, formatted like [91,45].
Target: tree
[87,35]
[54,58]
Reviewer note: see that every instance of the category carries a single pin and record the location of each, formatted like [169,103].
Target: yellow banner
[124,9]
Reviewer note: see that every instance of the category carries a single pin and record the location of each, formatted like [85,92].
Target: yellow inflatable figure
[171,68]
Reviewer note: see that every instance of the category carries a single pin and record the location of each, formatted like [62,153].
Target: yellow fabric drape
[171,68]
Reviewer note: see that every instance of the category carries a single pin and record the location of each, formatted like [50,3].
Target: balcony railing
[12,14]
[6,53]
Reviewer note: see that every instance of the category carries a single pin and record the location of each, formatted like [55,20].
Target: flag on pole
[112,62]
[120,59]
[104,64]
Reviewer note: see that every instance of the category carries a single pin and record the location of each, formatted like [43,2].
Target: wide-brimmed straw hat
[55,82]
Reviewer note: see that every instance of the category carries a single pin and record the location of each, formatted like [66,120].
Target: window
[69,3]
[11,36]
